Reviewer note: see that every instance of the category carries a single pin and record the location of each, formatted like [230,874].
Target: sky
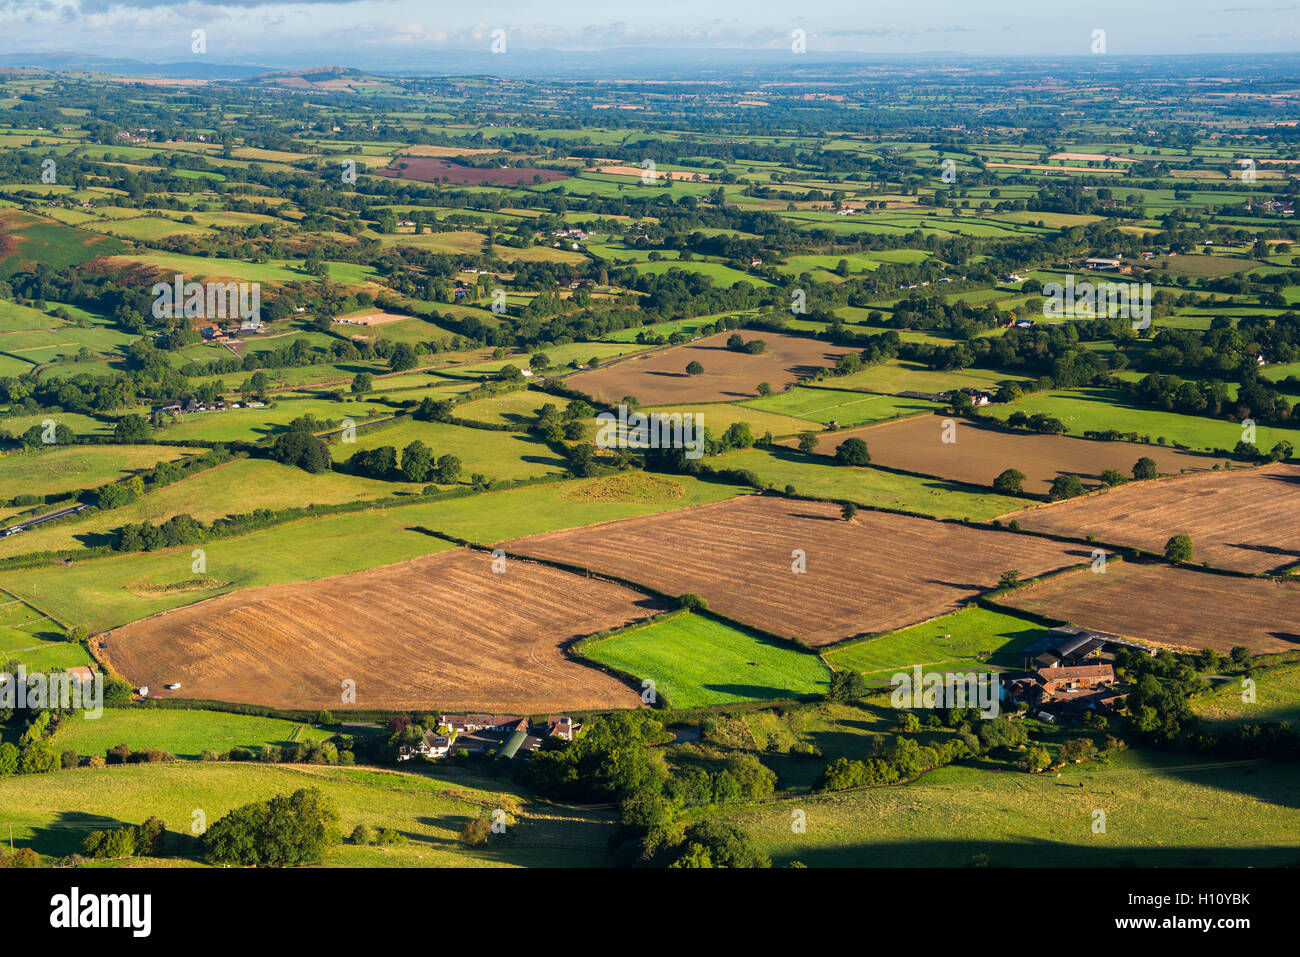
[424,34]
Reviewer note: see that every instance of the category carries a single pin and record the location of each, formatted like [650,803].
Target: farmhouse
[507,735]
[1107,265]
[1066,690]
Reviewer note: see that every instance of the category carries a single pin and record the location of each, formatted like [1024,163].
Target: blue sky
[413,33]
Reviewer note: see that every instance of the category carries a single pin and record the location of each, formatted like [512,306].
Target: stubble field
[878,572]
[1241,520]
[660,378]
[441,631]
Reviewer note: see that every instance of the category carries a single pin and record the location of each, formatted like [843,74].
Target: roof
[512,745]
[1081,671]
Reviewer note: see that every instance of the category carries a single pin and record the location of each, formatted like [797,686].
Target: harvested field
[879,572]
[660,378]
[1243,520]
[433,169]
[980,454]
[437,631]
[1172,606]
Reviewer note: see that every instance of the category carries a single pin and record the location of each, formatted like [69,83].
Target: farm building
[1067,646]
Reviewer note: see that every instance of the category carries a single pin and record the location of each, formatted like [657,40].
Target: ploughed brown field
[440,631]
[1172,606]
[432,169]
[1244,520]
[981,454]
[660,378]
[880,571]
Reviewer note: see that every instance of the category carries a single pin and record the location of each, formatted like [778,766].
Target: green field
[971,638]
[899,375]
[249,425]
[498,455]
[52,813]
[49,471]
[815,476]
[498,516]
[98,593]
[717,416]
[1277,698]
[1101,409]
[695,662]
[185,734]
[237,487]
[827,405]
[1165,810]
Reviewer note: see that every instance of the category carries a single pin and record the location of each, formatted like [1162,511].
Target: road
[42,519]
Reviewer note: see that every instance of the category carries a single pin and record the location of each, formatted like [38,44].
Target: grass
[899,375]
[696,662]
[249,425]
[99,595]
[1161,810]
[498,516]
[237,487]
[185,734]
[498,455]
[839,405]
[49,471]
[719,415]
[1101,409]
[971,638]
[1277,698]
[817,477]
[52,813]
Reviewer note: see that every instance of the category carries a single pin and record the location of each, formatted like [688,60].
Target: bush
[476,832]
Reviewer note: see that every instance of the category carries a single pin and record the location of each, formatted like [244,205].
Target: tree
[1035,759]
[402,358]
[1010,482]
[1144,468]
[447,471]
[284,831]
[131,428]
[380,463]
[362,383]
[846,685]
[1111,478]
[1065,486]
[694,368]
[417,461]
[1077,749]
[1009,578]
[1179,548]
[808,441]
[852,452]
[847,511]
[301,449]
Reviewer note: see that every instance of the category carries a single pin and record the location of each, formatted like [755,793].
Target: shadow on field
[1035,853]
[64,834]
